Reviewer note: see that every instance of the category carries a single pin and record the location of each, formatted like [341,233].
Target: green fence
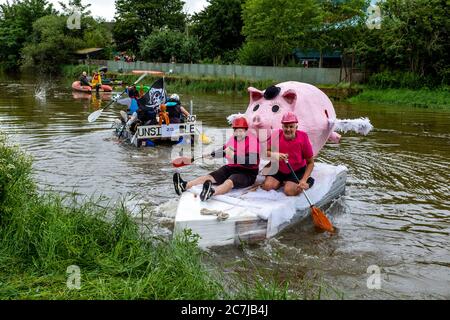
[308,75]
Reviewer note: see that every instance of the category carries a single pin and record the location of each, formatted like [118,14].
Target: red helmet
[289,118]
[240,123]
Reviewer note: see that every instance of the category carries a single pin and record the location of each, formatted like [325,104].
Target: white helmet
[175,97]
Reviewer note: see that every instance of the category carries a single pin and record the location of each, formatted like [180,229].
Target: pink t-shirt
[247,148]
[298,149]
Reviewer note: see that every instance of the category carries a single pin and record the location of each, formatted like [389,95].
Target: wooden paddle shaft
[298,181]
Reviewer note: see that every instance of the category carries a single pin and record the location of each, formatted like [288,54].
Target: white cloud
[192,6]
[106,8]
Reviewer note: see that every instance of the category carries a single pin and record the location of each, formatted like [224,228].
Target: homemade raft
[253,214]
[152,135]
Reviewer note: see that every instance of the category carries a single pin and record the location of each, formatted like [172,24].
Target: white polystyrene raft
[255,214]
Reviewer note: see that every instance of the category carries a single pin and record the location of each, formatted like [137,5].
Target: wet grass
[43,235]
[423,98]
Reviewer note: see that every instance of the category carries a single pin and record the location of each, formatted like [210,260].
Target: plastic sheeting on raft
[274,206]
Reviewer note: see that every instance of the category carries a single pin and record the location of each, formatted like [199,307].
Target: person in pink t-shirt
[242,154]
[293,145]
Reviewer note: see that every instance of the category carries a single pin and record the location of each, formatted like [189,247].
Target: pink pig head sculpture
[312,107]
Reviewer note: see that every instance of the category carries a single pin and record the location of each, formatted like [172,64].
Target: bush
[398,80]
[255,54]
[162,45]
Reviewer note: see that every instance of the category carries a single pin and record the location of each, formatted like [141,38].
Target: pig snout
[259,122]
[256,121]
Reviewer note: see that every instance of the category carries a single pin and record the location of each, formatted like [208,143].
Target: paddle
[319,218]
[184,161]
[96,114]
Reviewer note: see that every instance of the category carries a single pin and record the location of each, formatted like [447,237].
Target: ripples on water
[395,214]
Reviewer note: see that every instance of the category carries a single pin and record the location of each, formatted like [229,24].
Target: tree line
[409,36]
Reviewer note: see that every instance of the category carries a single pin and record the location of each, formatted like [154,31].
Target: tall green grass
[73,72]
[215,85]
[41,235]
[425,98]
[200,84]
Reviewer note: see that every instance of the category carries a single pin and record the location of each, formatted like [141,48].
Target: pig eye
[256,107]
[275,108]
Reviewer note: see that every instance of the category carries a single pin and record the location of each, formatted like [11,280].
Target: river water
[394,217]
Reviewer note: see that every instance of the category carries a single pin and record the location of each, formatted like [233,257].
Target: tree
[341,26]
[280,25]
[415,35]
[136,19]
[162,45]
[75,4]
[53,44]
[16,26]
[219,28]
[255,53]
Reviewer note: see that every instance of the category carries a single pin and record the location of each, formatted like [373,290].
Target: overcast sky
[106,8]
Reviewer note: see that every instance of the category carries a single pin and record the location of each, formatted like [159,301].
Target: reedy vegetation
[42,234]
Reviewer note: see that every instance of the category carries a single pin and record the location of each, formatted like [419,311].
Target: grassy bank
[425,98]
[42,235]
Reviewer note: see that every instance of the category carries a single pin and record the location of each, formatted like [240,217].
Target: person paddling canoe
[242,154]
[293,145]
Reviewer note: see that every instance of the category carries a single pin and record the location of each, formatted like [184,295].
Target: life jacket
[174,109]
[96,79]
[248,148]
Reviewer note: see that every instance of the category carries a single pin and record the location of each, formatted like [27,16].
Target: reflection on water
[395,214]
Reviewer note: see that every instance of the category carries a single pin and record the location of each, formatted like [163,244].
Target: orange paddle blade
[320,219]
[181,162]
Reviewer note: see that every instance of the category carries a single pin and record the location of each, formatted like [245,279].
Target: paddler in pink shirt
[293,145]
[242,154]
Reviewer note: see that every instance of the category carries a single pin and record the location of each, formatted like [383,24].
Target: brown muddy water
[394,217]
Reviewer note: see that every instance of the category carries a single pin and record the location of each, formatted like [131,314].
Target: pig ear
[255,94]
[290,96]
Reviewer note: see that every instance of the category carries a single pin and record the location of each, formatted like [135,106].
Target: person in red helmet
[242,154]
[293,145]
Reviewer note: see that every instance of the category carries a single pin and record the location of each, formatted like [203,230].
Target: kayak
[78,87]
[253,214]
[145,88]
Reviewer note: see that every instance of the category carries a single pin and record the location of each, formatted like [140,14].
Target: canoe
[253,214]
[155,73]
[104,96]
[77,87]
[110,82]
